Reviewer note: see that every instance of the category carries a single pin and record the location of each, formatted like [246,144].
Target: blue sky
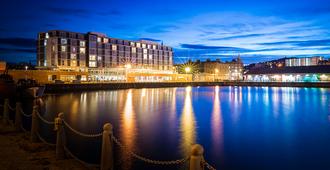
[257,30]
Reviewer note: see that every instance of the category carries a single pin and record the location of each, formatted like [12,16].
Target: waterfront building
[104,58]
[305,61]
[215,70]
[319,73]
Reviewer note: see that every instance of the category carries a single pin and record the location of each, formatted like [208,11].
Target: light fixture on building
[187,69]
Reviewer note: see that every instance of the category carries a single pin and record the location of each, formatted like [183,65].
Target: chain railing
[147,160]
[197,161]
[11,108]
[207,165]
[44,120]
[81,133]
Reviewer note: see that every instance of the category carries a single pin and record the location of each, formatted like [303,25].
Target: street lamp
[26,67]
[187,69]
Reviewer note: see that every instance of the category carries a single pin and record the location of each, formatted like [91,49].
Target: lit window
[114,47]
[53,48]
[73,63]
[105,40]
[149,46]
[132,44]
[92,64]
[99,58]
[82,43]
[150,57]
[145,51]
[133,50]
[73,56]
[63,48]
[145,56]
[82,50]
[143,45]
[47,35]
[99,39]
[73,49]
[138,45]
[45,42]
[154,47]
[63,41]
[92,57]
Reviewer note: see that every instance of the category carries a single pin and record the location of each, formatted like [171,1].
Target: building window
[92,64]
[47,35]
[53,48]
[73,56]
[99,39]
[132,44]
[143,45]
[149,46]
[73,49]
[73,63]
[82,43]
[105,40]
[138,45]
[82,50]
[114,47]
[99,58]
[145,51]
[92,57]
[154,47]
[63,48]
[133,50]
[63,41]
[145,56]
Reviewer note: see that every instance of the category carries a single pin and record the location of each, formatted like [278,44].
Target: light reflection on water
[239,127]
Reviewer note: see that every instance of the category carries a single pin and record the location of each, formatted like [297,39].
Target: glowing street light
[128,66]
[216,70]
[187,69]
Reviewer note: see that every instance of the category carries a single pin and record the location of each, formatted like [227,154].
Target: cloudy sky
[257,30]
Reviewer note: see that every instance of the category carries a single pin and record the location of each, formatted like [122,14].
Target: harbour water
[239,127]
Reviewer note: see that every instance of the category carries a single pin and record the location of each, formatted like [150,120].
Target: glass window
[145,56]
[82,43]
[92,57]
[63,41]
[53,48]
[63,48]
[47,35]
[114,47]
[154,47]
[82,50]
[99,39]
[132,44]
[73,63]
[73,49]
[138,45]
[105,40]
[133,50]
[143,45]
[145,51]
[99,58]
[150,57]
[92,64]
[73,56]
[149,46]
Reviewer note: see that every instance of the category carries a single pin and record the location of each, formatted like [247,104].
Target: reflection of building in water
[217,124]
[187,124]
[128,128]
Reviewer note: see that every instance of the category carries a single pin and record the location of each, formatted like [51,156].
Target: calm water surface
[239,127]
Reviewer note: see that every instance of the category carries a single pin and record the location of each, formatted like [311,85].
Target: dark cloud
[18,42]
[16,50]
[80,12]
[218,48]
[160,28]
[308,43]
[150,39]
[237,37]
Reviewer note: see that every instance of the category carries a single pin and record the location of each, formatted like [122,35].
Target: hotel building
[104,58]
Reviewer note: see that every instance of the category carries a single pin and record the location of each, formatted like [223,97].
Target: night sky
[258,30]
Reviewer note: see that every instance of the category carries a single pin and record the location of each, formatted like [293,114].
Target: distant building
[305,61]
[103,57]
[215,70]
[316,73]
[3,66]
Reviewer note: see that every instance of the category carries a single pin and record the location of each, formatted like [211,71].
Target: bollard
[34,125]
[18,116]
[60,153]
[5,117]
[196,157]
[107,148]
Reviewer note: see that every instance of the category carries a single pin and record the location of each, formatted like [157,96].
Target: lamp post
[26,68]
[127,66]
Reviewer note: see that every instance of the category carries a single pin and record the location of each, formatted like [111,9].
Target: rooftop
[292,70]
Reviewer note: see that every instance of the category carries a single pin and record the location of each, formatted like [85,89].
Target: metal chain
[11,108]
[44,120]
[79,160]
[80,133]
[22,112]
[147,160]
[207,165]
[44,141]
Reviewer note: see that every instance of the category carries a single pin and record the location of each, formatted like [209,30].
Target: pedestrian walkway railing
[195,160]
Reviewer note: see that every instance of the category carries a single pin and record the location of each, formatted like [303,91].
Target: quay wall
[58,88]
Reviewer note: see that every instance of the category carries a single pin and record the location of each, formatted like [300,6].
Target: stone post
[196,157]
[18,116]
[5,117]
[107,148]
[34,125]
[60,138]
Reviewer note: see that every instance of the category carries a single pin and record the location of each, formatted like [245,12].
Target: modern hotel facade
[104,58]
